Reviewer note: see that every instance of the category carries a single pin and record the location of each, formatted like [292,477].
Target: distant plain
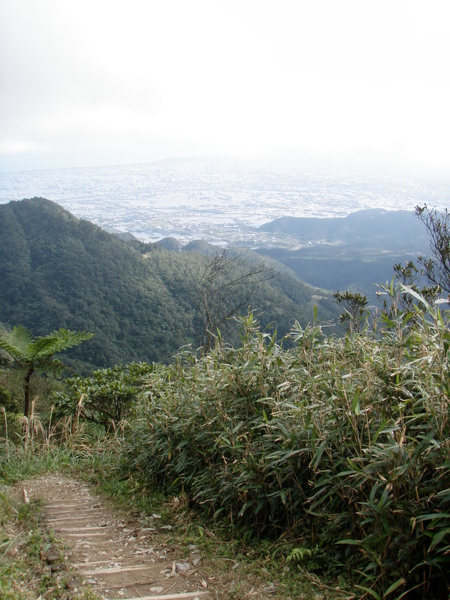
[221,201]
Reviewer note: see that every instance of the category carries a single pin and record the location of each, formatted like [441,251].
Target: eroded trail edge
[114,556]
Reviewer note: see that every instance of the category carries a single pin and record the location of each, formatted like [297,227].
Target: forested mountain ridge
[140,300]
[353,252]
[371,228]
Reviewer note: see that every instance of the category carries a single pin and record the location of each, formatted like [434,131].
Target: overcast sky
[108,81]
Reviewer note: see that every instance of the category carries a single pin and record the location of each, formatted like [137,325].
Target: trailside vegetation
[340,445]
[106,397]
[33,355]
[334,453]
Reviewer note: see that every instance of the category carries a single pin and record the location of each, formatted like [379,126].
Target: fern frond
[17,343]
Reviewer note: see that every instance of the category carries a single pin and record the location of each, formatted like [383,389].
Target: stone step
[83,517]
[115,570]
[74,530]
[170,596]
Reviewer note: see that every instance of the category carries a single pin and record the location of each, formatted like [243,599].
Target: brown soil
[114,556]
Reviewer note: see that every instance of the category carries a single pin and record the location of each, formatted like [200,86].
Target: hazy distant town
[220,201]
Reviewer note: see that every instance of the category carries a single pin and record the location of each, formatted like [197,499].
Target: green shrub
[105,398]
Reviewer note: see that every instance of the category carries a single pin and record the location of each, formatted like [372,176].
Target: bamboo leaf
[355,408]
[318,455]
[369,591]
[394,586]
[438,537]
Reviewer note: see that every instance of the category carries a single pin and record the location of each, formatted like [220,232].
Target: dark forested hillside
[371,228]
[353,252]
[140,300]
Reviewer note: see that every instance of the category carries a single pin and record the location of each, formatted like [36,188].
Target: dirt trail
[114,556]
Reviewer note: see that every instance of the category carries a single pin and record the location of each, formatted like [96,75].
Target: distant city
[220,201]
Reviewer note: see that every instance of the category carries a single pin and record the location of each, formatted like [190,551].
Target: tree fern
[38,354]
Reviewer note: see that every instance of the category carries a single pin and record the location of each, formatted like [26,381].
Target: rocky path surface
[114,556]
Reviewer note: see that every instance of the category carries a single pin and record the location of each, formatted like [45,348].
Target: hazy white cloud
[99,81]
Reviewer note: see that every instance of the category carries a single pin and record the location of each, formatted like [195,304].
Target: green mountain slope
[392,231]
[140,300]
[353,252]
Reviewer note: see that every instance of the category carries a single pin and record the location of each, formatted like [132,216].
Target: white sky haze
[97,82]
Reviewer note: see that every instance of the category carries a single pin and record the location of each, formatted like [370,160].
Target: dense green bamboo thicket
[342,444]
